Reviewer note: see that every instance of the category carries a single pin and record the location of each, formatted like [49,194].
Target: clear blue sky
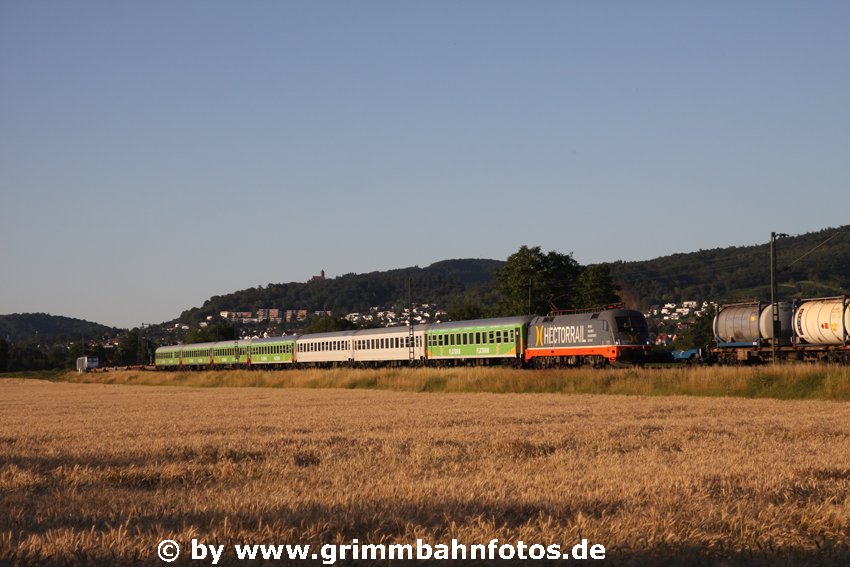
[153,154]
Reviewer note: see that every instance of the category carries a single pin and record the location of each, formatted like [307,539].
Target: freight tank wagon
[609,336]
[744,331]
[810,329]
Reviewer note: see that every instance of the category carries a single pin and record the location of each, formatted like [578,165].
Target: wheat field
[101,473]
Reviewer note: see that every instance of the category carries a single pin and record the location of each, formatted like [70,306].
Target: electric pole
[774,286]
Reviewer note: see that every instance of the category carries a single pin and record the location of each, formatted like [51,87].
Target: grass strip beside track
[781,382]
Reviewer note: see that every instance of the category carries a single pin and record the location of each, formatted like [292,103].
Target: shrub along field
[101,473]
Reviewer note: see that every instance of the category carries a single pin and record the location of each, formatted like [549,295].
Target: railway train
[809,330]
[607,336]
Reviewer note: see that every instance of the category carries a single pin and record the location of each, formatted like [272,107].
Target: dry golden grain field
[100,474]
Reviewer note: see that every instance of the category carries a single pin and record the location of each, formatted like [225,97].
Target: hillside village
[665,321]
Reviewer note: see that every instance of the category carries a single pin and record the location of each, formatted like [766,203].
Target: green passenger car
[273,350]
[168,357]
[480,340]
[197,355]
[230,353]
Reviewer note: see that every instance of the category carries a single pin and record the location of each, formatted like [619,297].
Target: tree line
[133,348]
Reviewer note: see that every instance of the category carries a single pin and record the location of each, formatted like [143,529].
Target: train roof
[278,339]
[331,335]
[495,322]
[391,330]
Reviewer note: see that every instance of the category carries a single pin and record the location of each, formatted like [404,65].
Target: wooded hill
[816,264]
[812,265]
[449,283]
[50,328]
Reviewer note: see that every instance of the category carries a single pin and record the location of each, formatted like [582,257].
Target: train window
[478,338]
[498,336]
[626,325]
[491,337]
[465,338]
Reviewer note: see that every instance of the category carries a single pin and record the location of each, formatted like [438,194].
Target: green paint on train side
[272,352]
[168,356]
[493,341]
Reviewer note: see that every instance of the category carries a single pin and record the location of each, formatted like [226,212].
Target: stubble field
[100,474]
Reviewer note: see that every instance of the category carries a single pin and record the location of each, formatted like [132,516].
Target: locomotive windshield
[631,325]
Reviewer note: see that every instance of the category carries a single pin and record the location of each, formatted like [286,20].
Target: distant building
[319,278]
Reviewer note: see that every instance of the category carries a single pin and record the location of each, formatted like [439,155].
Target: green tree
[4,354]
[134,348]
[328,325]
[595,286]
[531,282]
[699,333]
[212,333]
[465,310]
